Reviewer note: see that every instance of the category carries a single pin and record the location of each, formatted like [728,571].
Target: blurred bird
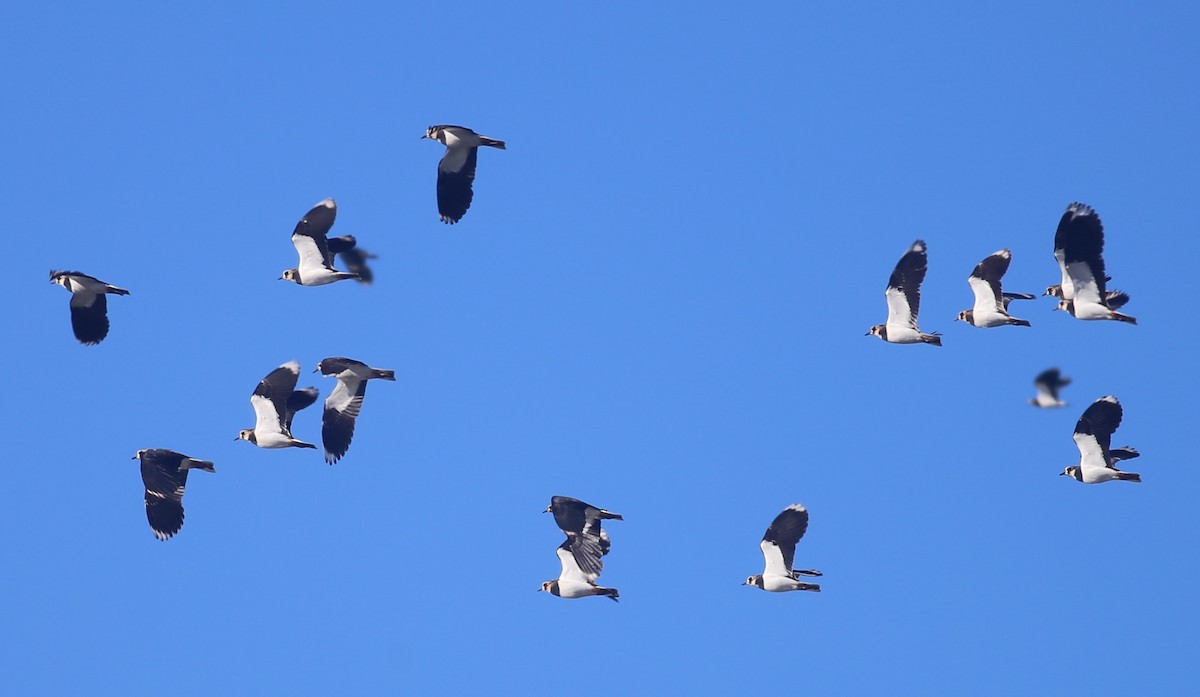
[1048,383]
[353,257]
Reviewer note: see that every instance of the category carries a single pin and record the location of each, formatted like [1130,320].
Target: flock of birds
[1082,293]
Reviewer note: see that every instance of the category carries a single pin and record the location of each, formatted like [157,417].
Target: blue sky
[656,304]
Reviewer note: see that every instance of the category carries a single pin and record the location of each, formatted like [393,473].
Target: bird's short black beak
[133,458]
[1061,473]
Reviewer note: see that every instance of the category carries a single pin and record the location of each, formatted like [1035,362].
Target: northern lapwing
[344,403]
[573,581]
[904,301]
[1079,251]
[164,473]
[316,259]
[991,303]
[456,170]
[1093,434]
[276,400]
[89,308]
[1048,383]
[779,550]
[580,522]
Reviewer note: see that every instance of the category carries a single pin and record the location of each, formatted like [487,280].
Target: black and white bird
[991,303]
[779,549]
[456,171]
[89,308]
[343,405]
[1048,383]
[904,301]
[165,472]
[573,581]
[353,257]
[580,522]
[1093,435]
[276,400]
[316,258]
[1079,250]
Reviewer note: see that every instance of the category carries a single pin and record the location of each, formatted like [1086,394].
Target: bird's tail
[808,587]
[302,444]
[1129,477]
[609,515]
[115,290]
[1019,322]
[1019,296]
[1124,318]
[935,339]
[384,374]
[499,144]
[609,593]
[193,464]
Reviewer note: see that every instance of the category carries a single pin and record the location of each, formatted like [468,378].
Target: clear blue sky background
[656,304]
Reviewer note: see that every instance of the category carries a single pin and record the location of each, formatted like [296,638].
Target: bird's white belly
[779,584]
[1096,475]
[1044,400]
[575,589]
[272,440]
[317,276]
[1091,311]
[467,140]
[902,334]
[988,318]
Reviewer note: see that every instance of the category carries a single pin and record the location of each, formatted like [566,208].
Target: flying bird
[276,400]
[89,308]
[343,405]
[573,581]
[1048,383]
[581,523]
[456,170]
[991,304]
[164,473]
[1093,434]
[779,549]
[1079,249]
[353,257]
[904,300]
[309,239]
